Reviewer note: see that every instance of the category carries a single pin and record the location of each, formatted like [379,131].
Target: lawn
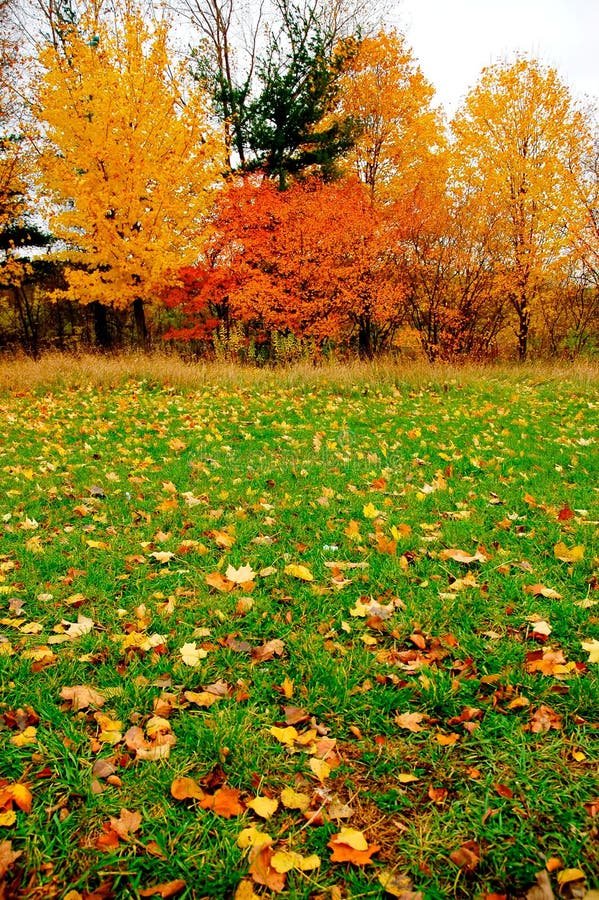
[315,635]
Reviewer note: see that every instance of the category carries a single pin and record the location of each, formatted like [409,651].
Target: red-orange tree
[313,260]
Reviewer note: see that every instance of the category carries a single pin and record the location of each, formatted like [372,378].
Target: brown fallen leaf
[127,824]
[81,696]
[466,857]
[542,889]
[167,889]
[7,857]
[544,719]
[463,557]
[262,871]
[410,721]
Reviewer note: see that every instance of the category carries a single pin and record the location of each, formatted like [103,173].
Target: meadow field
[309,633]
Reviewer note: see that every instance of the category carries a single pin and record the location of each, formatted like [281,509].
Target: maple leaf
[410,721]
[539,590]
[191,654]
[243,575]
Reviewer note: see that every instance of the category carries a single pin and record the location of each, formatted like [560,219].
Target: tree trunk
[101,330]
[523,327]
[141,328]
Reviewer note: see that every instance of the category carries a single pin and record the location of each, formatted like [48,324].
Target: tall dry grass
[56,371]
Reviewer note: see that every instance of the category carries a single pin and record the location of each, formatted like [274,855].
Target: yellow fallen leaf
[370,511]
[294,800]
[406,778]
[568,554]
[252,837]
[286,860]
[264,807]
[320,768]
[593,650]
[298,571]
[284,735]
[191,654]
[98,545]
[568,875]
[8,818]
[353,838]
[24,738]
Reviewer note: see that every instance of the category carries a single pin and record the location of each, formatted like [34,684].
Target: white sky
[454,39]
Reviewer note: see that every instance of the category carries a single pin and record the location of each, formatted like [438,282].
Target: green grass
[284,463]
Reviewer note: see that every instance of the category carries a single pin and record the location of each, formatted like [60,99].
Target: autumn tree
[519,142]
[313,261]
[130,158]
[400,140]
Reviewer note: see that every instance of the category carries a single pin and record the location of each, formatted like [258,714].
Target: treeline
[279,182]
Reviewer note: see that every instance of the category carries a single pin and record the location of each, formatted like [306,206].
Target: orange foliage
[314,260]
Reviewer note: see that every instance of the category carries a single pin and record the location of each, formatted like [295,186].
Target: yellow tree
[400,134]
[131,158]
[519,145]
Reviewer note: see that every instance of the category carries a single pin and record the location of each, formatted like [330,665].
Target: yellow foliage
[131,158]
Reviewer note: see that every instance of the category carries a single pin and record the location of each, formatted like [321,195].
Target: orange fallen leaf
[224,802]
[185,788]
[166,889]
[347,847]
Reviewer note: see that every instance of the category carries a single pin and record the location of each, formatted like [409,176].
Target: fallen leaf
[185,788]
[241,575]
[593,650]
[294,800]
[286,860]
[224,802]
[351,846]
[81,696]
[467,856]
[7,857]
[398,885]
[264,807]
[568,554]
[191,654]
[263,872]
[410,721]
[544,719]
[167,889]
[299,571]
[463,557]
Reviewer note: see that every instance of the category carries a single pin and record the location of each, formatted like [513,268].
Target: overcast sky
[454,39]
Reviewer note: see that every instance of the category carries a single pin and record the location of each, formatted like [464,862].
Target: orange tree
[313,260]
[130,158]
